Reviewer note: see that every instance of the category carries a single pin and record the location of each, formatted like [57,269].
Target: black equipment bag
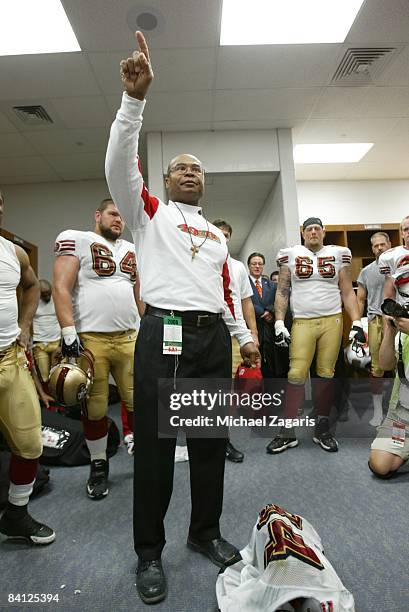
[64,440]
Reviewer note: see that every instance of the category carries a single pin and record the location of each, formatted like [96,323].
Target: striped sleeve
[345,257]
[384,264]
[66,244]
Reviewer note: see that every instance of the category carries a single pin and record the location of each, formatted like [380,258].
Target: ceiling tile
[343,130]
[84,165]
[285,104]
[397,72]
[79,141]
[266,66]
[391,100]
[180,24]
[46,76]
[388,151]
[166,109]
[13,145]
[380,22]
[86,111]
[175,69]
[5,125]
[394,169]
[13,166]
[53,177]
[336,102]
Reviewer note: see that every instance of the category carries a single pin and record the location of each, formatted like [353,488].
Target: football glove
[70,343]
[357,333]
[282,335]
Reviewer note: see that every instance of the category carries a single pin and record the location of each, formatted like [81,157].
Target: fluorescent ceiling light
[286,22]
[28,27]
[341,153]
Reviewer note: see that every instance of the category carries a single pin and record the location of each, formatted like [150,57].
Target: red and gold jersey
[283,561]
[394,262]
[314,279]
[103,298]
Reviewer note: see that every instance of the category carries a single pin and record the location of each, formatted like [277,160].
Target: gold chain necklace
[195,247]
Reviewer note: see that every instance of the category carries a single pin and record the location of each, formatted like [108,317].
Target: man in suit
[263,301]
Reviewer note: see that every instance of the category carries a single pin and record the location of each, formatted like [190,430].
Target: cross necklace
[195,247]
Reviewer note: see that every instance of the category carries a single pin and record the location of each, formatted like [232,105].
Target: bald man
[186,285]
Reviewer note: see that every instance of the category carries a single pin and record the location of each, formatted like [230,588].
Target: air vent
[361,66]
[32,115]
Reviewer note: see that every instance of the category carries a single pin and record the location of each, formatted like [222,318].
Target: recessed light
[145,18]
[29,27]
[286,22]
[339,153]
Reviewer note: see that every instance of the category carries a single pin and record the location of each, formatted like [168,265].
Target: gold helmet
[70,383]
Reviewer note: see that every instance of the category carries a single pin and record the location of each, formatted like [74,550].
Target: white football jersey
[391,263]
[103,298]
[10,273]
[314,279]
[45,323]
[283,561]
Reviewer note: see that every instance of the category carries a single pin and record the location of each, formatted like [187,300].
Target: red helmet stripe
[60,385]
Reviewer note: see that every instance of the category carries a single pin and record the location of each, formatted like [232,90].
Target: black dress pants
[206,353]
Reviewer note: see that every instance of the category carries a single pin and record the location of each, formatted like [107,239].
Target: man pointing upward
[184,275]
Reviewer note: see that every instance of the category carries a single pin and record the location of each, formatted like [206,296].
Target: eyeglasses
[183,168]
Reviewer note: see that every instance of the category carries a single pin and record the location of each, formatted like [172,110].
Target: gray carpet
[363,523]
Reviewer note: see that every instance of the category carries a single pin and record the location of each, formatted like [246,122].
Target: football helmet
[357,355]
[402,282]
[70,383]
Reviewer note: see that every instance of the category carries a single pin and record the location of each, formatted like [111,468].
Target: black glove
[357,333]
[70,343]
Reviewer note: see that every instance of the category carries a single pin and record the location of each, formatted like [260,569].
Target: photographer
[390,449]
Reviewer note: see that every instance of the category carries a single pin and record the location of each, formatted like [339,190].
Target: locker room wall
[260,240]
[38,212]
[349,202]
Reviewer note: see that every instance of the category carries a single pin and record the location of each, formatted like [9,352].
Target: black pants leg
[206,353]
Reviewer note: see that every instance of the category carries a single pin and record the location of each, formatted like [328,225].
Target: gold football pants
[320,336]
[20,414]
[113,353]
[375,335]
[43,354]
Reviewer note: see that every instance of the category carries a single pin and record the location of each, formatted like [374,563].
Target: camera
[394,309]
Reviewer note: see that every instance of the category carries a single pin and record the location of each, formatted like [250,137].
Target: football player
[391,263]
[282,568]
[94,284]
[46,333]
[390,449]
[319,279]
[371,289]
[244,303]
[20,415]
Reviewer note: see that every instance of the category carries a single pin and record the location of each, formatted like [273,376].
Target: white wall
[38,212]
[267,235]
[348,202]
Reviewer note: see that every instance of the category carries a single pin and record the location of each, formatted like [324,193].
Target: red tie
[259,288]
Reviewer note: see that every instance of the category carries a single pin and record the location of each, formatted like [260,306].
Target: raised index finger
[143,47]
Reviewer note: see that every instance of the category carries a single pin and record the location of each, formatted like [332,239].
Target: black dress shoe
[232,454]
[151,581]
[219,551]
